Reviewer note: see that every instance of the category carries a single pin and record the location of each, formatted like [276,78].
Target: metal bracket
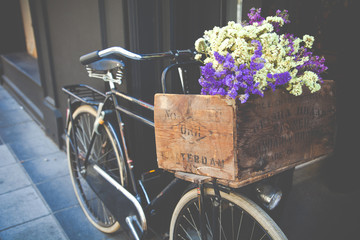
[217,192]
[107,77]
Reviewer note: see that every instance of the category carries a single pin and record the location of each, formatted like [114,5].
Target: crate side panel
[195,133]
[283,130]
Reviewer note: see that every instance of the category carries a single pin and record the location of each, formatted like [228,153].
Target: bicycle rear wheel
[106,153]
[238,218]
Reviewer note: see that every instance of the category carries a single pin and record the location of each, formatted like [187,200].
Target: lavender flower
[232,80]
[280,79]
[284,15]
[314,64]
[254,16]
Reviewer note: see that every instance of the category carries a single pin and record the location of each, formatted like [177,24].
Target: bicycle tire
[106,154]
[251,220]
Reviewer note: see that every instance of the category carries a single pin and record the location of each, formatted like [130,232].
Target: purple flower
[219,58]
[207,70]
[229,62]
[254,16]
[314,64]
[291,39]
[284,15]
[232,93]
[280,79]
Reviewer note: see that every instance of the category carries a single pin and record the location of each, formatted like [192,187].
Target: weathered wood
[190,177]
[195,134]
[222,138]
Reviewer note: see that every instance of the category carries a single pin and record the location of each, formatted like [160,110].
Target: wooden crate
[240,143]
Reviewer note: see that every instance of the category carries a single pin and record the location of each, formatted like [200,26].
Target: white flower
[200,45]
[309,40]
[275,19]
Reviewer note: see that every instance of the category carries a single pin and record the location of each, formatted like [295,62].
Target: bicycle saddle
[106,64]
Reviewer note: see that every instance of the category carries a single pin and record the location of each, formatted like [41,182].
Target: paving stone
[31,148]
[7,104]
[6,157]
[47,167]
[77,227]
[4,94]
[12,177]
[20,206]
[40,229]
[14,117]
[58,193]
[21,132]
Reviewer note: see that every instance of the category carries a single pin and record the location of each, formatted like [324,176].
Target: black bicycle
[114,196]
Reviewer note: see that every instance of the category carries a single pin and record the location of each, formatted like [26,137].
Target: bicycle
[112,196]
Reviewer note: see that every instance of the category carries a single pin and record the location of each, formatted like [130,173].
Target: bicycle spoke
[240,223]
[80,139]
[220,224]
[104,155]
[207,220]
[187,234]
[181,236]
[85,135]
[252,231]
[88,125]
[194,226]
[262,236]
[112,169]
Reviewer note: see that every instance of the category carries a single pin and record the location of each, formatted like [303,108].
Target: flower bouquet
[215,135]
[252,57]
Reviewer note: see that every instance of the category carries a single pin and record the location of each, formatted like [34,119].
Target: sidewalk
[36,196]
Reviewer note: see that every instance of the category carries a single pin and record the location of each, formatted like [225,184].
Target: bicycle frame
[135,221]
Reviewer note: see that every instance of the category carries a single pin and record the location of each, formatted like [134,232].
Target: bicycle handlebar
[121,52]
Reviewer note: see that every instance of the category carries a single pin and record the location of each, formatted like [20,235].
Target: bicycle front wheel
[106,153]
[238,218]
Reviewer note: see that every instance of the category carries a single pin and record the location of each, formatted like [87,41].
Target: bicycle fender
[121,203]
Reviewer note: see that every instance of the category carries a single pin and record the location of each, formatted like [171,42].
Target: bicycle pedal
[150,175]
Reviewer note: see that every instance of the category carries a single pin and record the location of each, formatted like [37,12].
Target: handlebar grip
[90,58]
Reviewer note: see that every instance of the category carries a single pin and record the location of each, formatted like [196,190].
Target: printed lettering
[190,156]
[196,158]
[190,131]
[202,160]
[170,115]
